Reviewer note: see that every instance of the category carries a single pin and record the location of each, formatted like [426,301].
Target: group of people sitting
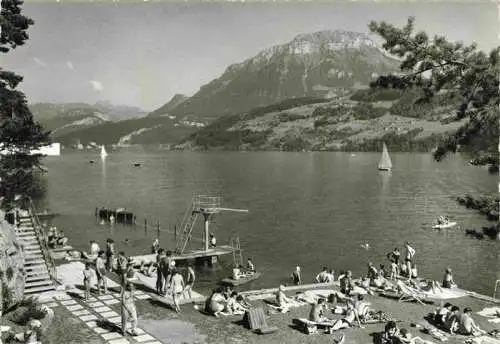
[226,301]
[449,318]
[56,238]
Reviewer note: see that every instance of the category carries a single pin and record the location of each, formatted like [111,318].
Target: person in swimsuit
[467,325]
[346,284]
[100,269]
[191,277]
[347,320]
[448,281]
[322,277]
[155,246]
[121,268]
[250,266]
[215,303]
[317,312]
[87,280]
[159,271]
[442,314]
[168,265]
[177,288]
[296,278]
[410,253]
[110,254]
[61,240]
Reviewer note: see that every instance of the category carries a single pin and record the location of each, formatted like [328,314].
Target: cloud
[39,62]
[96,85]
[70,65]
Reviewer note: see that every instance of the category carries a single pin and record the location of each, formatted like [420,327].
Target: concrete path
[96,310]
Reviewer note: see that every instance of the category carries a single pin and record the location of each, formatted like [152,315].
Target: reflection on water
[307,209]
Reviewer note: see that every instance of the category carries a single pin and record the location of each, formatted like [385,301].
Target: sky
[141,54]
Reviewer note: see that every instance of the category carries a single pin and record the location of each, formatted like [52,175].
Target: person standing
[87,280]
[159,271]
[191,277]
[100,269]
[410,253]
[296,277]
[155,246]
[122,267]
[110,254]
[94,249]
[129,312]
[177,283]
[168,267]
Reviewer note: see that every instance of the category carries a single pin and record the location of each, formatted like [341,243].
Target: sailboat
[103,152]
[385,163]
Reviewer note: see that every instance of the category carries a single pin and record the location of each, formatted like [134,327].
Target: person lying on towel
[347,320]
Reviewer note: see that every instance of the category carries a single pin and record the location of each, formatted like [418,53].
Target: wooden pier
[202,256]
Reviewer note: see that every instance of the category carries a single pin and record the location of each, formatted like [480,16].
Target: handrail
[51,266]
[497,283]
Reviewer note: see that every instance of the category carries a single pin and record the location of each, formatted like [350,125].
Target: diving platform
[209,256]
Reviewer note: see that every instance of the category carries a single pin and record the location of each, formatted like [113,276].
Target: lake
[307,209]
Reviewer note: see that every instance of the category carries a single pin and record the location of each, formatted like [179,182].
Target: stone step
[31,257]
[34,262]
[33,276]
[31,249]
[39,289]
[33,284]
[36,269]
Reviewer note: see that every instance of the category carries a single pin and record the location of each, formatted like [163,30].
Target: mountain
[311,65]
[356,121]
[62,119]
[316,65]
[145,130]
[165,110]
[119,112]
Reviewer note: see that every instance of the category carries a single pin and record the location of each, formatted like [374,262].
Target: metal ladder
[497,283]
[237,256]
[186,228]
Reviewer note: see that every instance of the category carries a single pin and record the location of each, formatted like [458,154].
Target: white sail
[103,152]
[385,162]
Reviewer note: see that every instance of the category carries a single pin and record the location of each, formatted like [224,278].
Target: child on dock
[177,288]
[87,279]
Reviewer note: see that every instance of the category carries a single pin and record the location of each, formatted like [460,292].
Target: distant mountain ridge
[65,118]
[165,110]
[317,65]
[311,65]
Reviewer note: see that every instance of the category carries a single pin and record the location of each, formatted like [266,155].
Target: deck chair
[409,294]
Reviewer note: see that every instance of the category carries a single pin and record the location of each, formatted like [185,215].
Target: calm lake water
[310,209]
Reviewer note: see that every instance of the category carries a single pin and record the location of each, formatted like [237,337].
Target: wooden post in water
[145,226]
[158,229]
[175,233]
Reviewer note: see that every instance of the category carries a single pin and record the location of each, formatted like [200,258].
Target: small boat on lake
[445,225]
[385,163]
[242,280]
[104,154]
